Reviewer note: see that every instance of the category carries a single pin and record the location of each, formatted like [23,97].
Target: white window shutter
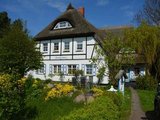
[93,70]
[77,67]
[62,68]
[50,69]
[44,68]
[83,67]
[65,69]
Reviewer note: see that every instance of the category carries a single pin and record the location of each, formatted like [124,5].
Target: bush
[97,91]
[146,83]
[11,96]
[102,108]
[59,90]
[117,97]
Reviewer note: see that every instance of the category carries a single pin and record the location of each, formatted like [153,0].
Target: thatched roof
[80,27]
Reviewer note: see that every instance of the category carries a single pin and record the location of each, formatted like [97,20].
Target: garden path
[136,111]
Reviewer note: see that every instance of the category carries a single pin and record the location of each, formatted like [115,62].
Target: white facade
[65,55]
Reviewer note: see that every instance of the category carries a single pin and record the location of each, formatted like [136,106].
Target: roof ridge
[70,7]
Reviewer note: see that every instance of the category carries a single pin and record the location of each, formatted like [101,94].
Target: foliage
[101,109]
[18,52]
[149,13]
[146,83]
[59,90]
[117,97]
[5,23]
[11,96]
[146,41]
[115,54]
[78,72]
[97,91]
[146,99]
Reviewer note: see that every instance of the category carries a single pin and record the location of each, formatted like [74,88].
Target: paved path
[136,111]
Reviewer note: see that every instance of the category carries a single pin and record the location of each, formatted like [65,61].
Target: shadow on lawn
[28,113]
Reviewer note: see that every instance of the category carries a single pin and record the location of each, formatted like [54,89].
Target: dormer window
[62,25]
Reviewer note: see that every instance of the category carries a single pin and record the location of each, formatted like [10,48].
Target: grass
[146,99]
[53,109]
[126,106]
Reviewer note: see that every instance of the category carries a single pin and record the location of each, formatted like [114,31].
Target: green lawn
[146,99]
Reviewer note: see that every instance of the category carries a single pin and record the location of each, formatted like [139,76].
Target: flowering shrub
[21,82]
[11,97]
[59,90]
[97,92]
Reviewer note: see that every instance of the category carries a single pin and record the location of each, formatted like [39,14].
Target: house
[68,44]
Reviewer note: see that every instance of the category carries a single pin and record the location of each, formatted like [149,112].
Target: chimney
[81,11]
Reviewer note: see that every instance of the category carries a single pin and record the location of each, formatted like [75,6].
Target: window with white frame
[56,47]
[79,45]
[66,46]
[42,70]
[57,69]
[45,47]
[71,69]
[89,69]
[63,24]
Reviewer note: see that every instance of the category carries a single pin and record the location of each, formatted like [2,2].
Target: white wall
[79,58]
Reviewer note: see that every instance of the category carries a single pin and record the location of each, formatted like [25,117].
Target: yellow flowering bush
[11,97]
[21,82]
[97,92]
[59,90]
[5,82]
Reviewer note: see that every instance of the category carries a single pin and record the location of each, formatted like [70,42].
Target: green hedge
[146,83]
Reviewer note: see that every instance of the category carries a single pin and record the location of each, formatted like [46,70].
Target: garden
[35,99]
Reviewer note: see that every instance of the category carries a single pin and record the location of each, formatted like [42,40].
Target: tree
[150,13]
[145,39]
[114,54]
[4,22]
[18,53]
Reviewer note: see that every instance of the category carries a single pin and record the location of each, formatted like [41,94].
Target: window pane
[79,45]
[45,46]
[88,69]
[57,69]
[63,24]
[56,46]
[71,69]
[66,45]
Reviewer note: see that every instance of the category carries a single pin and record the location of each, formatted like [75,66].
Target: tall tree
[146,40]
[150,13]
[113,55]
[18,52]
[4,23]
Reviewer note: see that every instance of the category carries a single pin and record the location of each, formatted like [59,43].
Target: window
[66,46]
[41,70]
[45,47]
[56,47]
[136,71]
[63,24]
[57,68]
[88,69]
[71,69]
[79,45]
